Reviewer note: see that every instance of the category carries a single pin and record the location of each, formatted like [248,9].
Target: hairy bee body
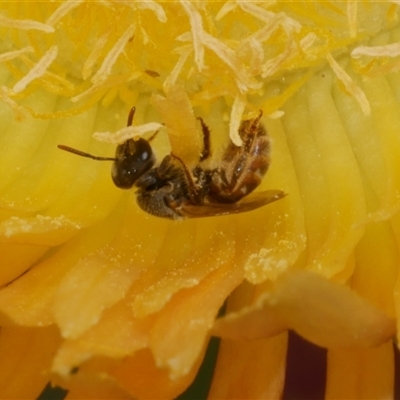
[172,190]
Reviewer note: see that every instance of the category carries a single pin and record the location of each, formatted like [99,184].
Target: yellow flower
[105,300]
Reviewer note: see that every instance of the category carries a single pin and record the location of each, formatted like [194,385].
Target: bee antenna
[81,153]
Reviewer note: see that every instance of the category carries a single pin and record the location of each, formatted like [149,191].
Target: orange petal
[11,267]
[90,287]
[361,373]
[30,299]
[117,335]
[189,252]
[141,377]
[176,335]
[101,279]
[179,334]
[325,313]
[254,322]
[25,358]
[86,386]
[250,369]
[92,381]
[328,314]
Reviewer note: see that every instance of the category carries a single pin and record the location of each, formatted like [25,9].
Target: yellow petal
[332,216]
[283,236]
[377,265]
[166,280]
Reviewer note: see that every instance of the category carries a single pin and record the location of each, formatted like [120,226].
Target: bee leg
[206,152]
[152,136]
[242,167]
[130,120]
[196,181]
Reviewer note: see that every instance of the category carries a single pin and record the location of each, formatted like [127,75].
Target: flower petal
[91,381]
[91,386]
[250,369]
[25,358]
[255,322]
[376,266]
[30,299]
[179,334]
[117,335]
[142,378]
[332,216]
[189,252]
[281,234]
[325,313]
[12,267]
[329,314]
[361,373]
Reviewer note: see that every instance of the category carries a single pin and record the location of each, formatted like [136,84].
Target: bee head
[133,158]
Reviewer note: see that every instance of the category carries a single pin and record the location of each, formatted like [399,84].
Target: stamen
[388,50]
[196,24]
[25,24]
[10,55]
[19,111]
[37,71]
[126,133]
[105,69]
[94,55]
[257,55]
[272,66]
[350,85]
[352,17]
[225,9]
[265,32]
[92,89]
[173,76]
[63,10]
[153,6]
[236,117]
[269,16]
[226,54]
[308,41]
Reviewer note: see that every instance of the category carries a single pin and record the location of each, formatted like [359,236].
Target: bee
[174,191]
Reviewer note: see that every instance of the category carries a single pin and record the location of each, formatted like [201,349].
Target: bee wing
[254,201]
